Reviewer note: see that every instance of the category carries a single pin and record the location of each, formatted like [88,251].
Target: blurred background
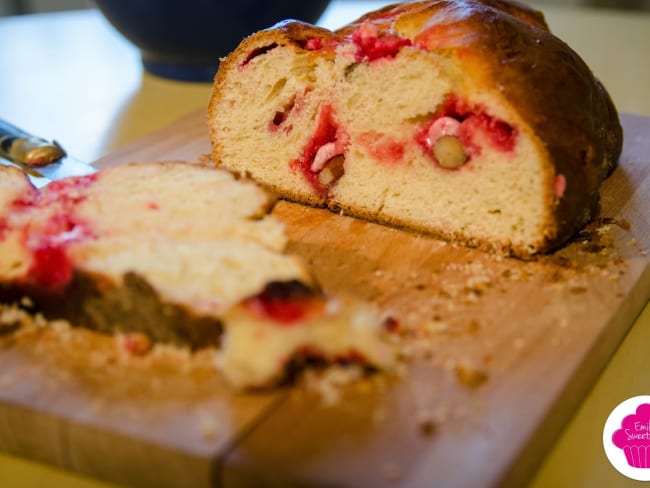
[18,7]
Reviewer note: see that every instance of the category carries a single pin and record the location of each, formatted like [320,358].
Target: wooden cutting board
[499,355]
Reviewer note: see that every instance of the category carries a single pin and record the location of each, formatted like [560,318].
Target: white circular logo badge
[626,438]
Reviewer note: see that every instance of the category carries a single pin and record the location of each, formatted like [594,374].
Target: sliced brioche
[179,252]
[465,119]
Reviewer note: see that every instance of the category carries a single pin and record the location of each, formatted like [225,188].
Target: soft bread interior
[270,108]
[208,275]
[285,80]
[166,207]
[344,331]
[198,236]
[13,186]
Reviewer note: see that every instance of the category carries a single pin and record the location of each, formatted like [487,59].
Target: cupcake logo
[626,438]
[634,437]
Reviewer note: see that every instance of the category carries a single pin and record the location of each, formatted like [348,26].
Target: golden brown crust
[451,10]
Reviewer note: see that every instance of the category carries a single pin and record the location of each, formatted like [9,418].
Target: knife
[41,160]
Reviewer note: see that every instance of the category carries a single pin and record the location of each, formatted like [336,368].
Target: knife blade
[43,161]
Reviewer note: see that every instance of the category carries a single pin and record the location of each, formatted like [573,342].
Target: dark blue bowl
[184,39]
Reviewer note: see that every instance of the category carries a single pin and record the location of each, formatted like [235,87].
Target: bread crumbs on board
[442,334]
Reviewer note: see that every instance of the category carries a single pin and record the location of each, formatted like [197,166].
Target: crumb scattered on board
[449,322]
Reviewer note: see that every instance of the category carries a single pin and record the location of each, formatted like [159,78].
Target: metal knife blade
[41,160]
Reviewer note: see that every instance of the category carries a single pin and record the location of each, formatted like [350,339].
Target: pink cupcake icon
[634,437]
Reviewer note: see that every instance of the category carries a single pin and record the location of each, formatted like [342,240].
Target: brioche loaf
[185,254]
[464,119]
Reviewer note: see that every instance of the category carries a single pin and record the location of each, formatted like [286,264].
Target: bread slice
[464,119]
[183,253]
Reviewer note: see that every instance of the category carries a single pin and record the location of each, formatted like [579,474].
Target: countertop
[71,77]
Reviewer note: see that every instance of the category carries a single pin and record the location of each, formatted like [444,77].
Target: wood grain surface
[497,354]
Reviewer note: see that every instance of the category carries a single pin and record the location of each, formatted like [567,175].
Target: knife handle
[22,148]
